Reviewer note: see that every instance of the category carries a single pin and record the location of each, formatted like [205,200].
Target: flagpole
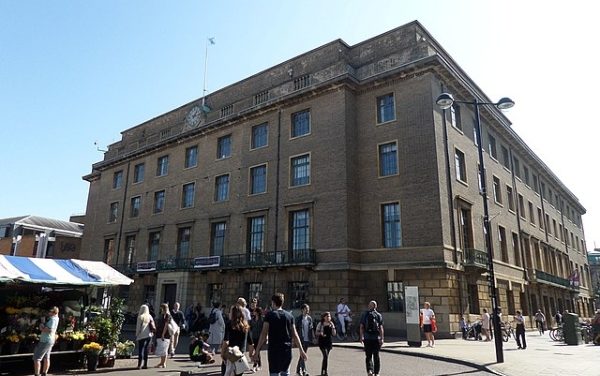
[211,41]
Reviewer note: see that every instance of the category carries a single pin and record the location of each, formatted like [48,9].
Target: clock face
[193,117]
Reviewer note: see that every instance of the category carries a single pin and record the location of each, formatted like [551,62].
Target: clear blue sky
[76,72]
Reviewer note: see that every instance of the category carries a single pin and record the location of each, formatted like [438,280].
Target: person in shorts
[41,354]
[428,315]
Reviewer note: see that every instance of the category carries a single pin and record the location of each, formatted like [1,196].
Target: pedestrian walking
[216,330]
[179,318]
[279,328]
[41,353]
[558,318]
[256,325]
[144,330]
[540,320]
[486,326]
[520,331]
[371,336]
[242,303]
[427,324]
[163,337]
[237,333]
[305,329]
[325,332]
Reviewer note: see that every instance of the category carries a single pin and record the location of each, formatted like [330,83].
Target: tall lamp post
[446,101]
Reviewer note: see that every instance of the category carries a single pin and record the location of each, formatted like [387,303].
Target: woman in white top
[143,334]
[428,316]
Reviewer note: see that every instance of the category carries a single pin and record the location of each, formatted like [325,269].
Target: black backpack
[212,318]
[372,322]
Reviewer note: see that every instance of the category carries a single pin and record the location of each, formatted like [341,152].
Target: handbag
[162,347]
[233,354]
[172,327]
[433,326]
[241,365]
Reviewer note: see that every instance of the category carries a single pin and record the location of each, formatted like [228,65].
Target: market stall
[30,286]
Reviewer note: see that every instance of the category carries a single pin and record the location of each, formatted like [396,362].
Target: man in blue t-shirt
[279,328]
[44,347]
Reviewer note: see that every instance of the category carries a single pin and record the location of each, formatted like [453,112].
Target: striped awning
[59,272]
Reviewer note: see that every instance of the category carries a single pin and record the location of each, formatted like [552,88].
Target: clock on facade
[193,117]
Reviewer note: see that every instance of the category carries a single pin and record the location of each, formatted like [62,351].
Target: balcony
[547,278]
[475,258]
[277,259]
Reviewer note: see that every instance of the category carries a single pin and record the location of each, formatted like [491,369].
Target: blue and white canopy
[59,272]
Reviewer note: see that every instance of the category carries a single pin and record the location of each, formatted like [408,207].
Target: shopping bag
[173,327]
[433,326]
[162,346]
[241,365]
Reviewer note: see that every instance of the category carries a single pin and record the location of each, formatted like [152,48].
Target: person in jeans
[520,331]
[325,332]
[143,335]
[44,347]
[279,328]
[304,327]
[371,336]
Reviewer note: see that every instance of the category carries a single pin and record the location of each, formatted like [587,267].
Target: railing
[279,259]
[546,277]
[475,257]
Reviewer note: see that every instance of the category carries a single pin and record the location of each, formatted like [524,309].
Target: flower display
[14,338]
[92,347]
[77,335]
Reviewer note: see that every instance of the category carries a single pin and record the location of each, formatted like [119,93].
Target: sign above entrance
[207,262]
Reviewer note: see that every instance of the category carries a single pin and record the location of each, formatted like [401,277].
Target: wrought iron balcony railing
[475,257]
[547,277]
[279,259]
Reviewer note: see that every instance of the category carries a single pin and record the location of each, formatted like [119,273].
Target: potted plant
[14,341]
[92,354]
[77,337]
[125,349]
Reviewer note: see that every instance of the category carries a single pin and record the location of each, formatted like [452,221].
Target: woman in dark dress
[237,333]
[163,337]
[256,326]
[325,332]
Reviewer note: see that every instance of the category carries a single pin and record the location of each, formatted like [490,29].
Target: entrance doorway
[169,293]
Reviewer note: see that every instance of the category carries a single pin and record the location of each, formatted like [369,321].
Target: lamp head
[445,101]
[505,103]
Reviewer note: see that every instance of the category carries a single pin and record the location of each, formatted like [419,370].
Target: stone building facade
[334,174]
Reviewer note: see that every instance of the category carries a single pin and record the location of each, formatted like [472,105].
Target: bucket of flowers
[77,337]
[14,340]
[125,349]
[92,354]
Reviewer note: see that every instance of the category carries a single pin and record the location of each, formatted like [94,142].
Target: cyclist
[540,320]
[343,315]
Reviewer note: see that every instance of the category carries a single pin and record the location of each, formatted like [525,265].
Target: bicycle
[556,334]
[507,331]
[473,332]
[351,330]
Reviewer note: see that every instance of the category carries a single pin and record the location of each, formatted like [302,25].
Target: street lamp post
[446,101]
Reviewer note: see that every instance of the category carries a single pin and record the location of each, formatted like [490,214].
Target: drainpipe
[277,183]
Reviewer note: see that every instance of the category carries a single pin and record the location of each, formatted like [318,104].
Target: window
[522,206]
[224,147]
[388,161]
[535,183]
[109,250]
[298,294]
[466,232]
[258,179]
[554,228]
[260,135]
[540,218]
[187,195]
[222,188]
[395,293]
[516,249]
[561,232]
[492,146]
[385,108]
[118,179]
[547,224]
[511,198]
[191,157]
[136,203]
[392,231]
[503,245]
[217,234]
[130,251]
[153,244]
[497,191]
[455,118]
[254,291]
[526,175]
[300,123]
[299,230]
[215,293]
[162,166]
[113,212]
[300,170]
[256,236]
[517,167]
[510,302]
[473,297]
[475,140]
[505,157]
[138,173]
[531,213]
[159,202]
[461,166]
[184,235]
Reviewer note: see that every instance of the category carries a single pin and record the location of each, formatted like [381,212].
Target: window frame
[158,209]
[185,195]
[221,145]
[251,179]
[292,179]
[391,223]
[253,136]
[191,159]
[297,125]
[117,179]
[162,168]
[139,171]
[381,112]
[132,212]
[460,166]
[113,212]
[217,197]
[381,159]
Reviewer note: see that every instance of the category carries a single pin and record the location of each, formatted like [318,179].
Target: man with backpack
[371,336]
